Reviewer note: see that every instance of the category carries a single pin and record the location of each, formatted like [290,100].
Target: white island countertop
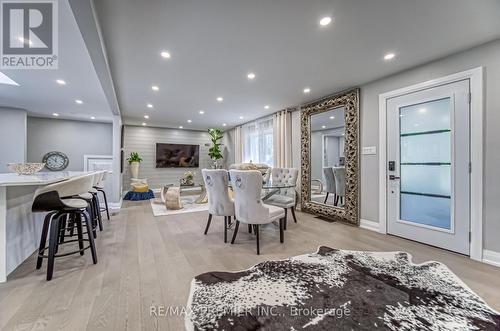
[40,178]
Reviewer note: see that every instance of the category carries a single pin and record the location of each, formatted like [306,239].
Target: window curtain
[257,137]
[282,139]
[238,145]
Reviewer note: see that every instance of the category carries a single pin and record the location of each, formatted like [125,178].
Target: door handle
[392,177]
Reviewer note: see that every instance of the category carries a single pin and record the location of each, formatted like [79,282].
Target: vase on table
[134,169]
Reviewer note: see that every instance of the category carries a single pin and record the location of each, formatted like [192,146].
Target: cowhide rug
[338,290]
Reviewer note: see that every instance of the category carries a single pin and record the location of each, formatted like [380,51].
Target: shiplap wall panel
[143,140]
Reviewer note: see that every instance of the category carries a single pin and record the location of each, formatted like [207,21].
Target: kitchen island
[20,229]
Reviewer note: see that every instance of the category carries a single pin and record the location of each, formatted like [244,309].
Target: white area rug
[159,208]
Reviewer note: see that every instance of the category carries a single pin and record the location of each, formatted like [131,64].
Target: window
[258,141]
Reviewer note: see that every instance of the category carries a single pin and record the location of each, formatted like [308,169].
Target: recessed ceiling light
[181,127]
[389,56]
[143,123]
[325,21]
[323,126]
[55,114]
[224,124]
[307,90]
[220,99]
[60,82]
[422,110]
[201,112]
[165,54]
[189,121]
[241,117]
[92,117]
[149,105]
[332,117]
[251,75]
[266,107]
[155,88]
[146,116]
[78,101]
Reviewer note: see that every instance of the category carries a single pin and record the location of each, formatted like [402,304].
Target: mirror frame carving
[350,101]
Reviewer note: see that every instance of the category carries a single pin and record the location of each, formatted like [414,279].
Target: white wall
[143,140]
[73,138]
[12,137]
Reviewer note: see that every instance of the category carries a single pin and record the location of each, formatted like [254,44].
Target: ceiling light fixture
[155,88]
[220,99]
[323,126]
[60,82]
[149,105]
[165,55]
[332,117]
[201,112]
[143,123]
[422,110]
[241,117]
[266,107]
[55,114]
[146,117]
[92,117]
[325,21]
[224,124]
[181,127]
[307,90]
[251,75]
[189,121]
[78,101]
[389,56]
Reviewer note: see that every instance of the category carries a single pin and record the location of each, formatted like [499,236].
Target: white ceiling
[214,44]
[322,121]
[38,91]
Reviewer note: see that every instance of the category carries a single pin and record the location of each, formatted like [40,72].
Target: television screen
[177,156]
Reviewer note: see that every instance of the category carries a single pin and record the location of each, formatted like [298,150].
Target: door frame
[476,151]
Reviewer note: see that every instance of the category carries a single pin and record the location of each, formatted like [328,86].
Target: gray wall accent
[143,140]
[12,137]
[73,138]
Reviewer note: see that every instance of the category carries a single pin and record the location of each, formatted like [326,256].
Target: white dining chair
[248,205]
[285,197]
[219,202]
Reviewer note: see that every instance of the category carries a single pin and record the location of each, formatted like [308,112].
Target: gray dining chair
[329,182]
[339,174]
[285,197]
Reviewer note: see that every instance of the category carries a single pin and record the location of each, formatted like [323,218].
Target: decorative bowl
[25,168]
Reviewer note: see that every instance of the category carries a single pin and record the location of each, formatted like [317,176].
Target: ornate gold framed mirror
[330,157]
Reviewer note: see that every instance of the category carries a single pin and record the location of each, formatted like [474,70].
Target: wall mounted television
[177,156]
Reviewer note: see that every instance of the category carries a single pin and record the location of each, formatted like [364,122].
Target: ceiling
[40,95]
[324,121]
[214,44]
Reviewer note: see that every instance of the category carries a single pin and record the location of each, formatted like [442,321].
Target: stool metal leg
[79,231]
[91,238]
[98,211]
[105,202]
[53,238]
[43,239]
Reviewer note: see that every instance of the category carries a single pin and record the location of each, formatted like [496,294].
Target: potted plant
[215,152]
[187,179]
[134,160]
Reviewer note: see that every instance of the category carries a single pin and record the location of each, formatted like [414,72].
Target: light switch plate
[370,150]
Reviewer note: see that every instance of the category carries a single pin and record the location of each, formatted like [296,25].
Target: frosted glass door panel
[426,210]
[426,148]
[434,180]
[425,163]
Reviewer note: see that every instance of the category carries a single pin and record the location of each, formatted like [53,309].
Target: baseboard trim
[491,257]
[369,225]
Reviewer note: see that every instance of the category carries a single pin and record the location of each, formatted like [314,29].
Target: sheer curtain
[238,145]
[258,141]
[282,129]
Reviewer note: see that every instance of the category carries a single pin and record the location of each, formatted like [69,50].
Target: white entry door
[428,156]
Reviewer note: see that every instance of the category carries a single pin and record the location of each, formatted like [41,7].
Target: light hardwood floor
[146,261]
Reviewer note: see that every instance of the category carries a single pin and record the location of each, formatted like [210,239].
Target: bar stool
[58,200]
[100,188]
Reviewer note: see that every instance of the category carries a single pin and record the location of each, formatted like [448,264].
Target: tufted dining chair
[248,205]
[339,174]
[286,197]
[329,182]
[219,202]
